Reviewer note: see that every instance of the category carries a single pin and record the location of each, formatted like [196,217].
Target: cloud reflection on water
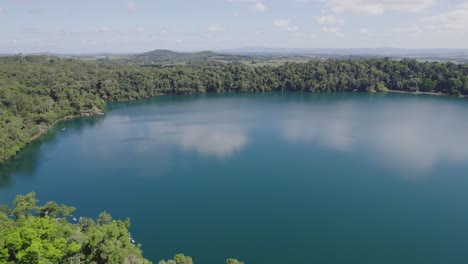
[413,136]
[217,140]
[205,133]
[321,125]
[409,136]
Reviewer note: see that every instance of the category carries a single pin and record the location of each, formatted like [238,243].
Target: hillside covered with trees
[36,91]
[167,57]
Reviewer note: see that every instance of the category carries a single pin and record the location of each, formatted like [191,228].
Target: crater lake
[266,178]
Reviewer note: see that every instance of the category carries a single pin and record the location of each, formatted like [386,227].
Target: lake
[266,178]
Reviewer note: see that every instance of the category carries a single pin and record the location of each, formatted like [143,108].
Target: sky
[122,26]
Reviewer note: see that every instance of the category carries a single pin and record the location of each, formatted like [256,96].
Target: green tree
[29,234]
[24,204]
[233,261]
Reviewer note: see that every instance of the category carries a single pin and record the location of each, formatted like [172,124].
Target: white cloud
[260,7]
[285,24]
[329,20]
[364,31]
[455,20]
[377,7]
[215,28]
[281,23]
[329,24]
[132,7]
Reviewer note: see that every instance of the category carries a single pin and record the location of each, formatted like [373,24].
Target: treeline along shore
[37,91]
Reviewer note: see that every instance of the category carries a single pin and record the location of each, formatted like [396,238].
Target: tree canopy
[34,234]
[42,234]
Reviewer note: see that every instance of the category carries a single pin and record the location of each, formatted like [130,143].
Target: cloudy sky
[84,26]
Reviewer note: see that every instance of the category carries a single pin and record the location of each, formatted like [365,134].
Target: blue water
[266,178]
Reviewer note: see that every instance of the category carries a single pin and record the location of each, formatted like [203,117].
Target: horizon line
[239,49]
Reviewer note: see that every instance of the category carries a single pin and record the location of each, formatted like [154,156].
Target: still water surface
[267,178]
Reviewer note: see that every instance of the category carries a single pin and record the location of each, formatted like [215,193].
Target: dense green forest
[33,234]
[42,234]
[36,91]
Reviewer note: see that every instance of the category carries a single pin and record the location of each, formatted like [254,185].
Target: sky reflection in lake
[268,178]
[409,135]
[218,133]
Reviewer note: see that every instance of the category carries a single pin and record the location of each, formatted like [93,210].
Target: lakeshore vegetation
[42,234]
[37,91]
[33,234]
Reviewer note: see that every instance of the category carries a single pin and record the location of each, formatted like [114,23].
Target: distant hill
[157,56]
[167,57]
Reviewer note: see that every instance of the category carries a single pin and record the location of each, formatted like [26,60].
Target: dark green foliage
[233,261]
[26,237]
[36,91]
[182,259]
[104,218]
[54,210]
[178,259]
[23,205]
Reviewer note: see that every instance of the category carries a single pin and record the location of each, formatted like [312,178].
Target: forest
[49,233]
[37,91]
[42,234]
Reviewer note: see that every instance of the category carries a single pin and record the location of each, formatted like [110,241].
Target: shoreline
[39,134]
[48,128]
[83,114]
[100,112]
[425,93]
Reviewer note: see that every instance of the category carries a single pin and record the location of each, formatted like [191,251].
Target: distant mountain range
[167,57]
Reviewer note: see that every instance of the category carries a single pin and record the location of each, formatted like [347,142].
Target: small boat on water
[63,129]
